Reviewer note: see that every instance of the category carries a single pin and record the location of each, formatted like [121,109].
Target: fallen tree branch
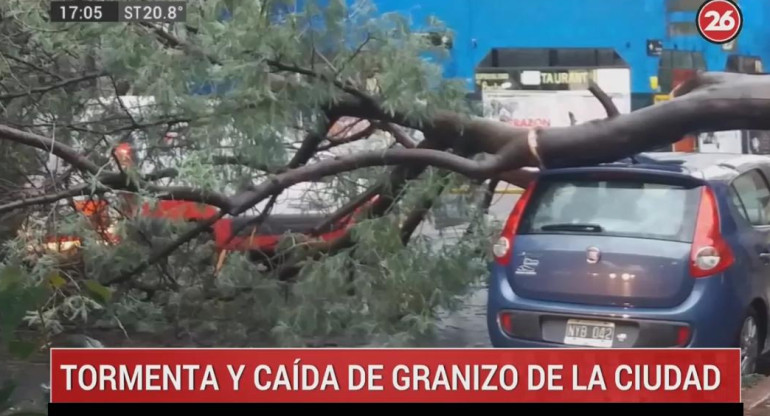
[389,192]
[714,103]
[604,99]
[64,152]
[167,250]
[363,134]
[417,215]
[244,161]
[512,148]
[400,137]
[347,209]
[46,88]
[80,190]
[742,104]
[114,180]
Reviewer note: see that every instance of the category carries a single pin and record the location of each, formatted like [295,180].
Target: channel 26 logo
[719,21]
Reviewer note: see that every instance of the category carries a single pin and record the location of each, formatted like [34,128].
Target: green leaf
[16,300]
[99,291]
[10,278]
[56,280]
[21,349]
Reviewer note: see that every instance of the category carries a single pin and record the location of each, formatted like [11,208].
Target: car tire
[749,341]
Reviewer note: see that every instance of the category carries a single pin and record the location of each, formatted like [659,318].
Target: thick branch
[363,134]
[80,190]
[243,161]
[46,88]
[713,102]
[309,146]
[389,192]
[117,181]
[184,193]
[66,153]
[399,135]
[346,210]
[604,99]
[417,215]
[409,157]
[743,103]
[169,249]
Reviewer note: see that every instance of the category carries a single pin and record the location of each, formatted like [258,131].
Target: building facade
[656,40]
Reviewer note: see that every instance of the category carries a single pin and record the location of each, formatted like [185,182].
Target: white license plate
[589,333]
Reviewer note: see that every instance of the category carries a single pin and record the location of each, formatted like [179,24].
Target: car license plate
[589,333]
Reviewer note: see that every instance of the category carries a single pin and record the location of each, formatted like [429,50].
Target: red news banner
[393,375]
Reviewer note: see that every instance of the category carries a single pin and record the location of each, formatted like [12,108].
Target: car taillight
[710,252]
[506,322]
[502,248]
[682,336]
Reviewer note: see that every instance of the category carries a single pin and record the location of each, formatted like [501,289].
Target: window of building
[673,60]
[683,5]
[744,64]
[682,29]
[551,57]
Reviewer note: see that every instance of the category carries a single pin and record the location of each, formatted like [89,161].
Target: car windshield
[612,207]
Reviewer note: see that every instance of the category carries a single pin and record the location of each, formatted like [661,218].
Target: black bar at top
[84,11]
[521,409]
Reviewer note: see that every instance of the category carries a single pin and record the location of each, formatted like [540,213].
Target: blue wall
[624,25]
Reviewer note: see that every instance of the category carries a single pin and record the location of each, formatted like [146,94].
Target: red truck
[262,238]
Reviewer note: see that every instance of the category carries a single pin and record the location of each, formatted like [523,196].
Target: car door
[751,196]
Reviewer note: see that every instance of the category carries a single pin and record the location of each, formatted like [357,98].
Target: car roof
[706,166]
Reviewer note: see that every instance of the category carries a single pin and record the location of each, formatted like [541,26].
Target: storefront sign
[547,108]
[493,81]
[561,78]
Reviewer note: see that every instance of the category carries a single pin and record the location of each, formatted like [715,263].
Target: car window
[754,195]
[613,207]
[737,203]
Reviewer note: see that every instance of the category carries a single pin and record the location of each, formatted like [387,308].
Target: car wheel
[749,343]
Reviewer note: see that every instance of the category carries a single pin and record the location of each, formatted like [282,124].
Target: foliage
[377,288]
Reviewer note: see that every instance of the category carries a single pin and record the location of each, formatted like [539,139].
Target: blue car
[661,250]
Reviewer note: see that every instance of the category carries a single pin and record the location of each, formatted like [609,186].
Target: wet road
[466,327]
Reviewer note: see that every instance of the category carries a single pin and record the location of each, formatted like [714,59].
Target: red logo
[719,21]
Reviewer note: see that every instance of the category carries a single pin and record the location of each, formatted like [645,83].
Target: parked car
[665,250]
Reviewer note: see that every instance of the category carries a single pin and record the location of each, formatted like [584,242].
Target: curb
[756,395]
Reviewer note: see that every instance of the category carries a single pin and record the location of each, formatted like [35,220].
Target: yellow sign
[654,84]
[659,98]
